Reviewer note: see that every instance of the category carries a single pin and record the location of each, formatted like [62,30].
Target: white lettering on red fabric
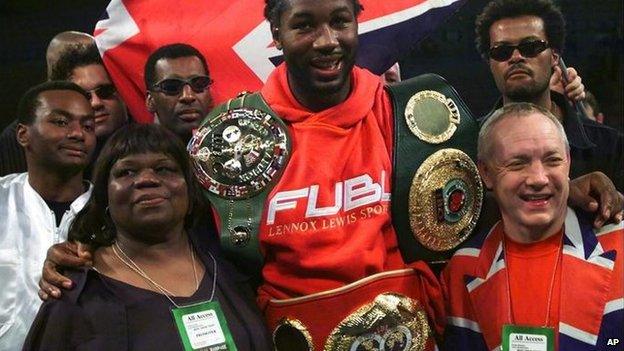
[352,193]
[284,200]
[361,191]
[313,211]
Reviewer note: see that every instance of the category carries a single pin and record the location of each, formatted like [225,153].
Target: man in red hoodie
[326,223]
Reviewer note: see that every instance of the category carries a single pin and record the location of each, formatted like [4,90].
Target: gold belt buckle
[445,200]
[390,322]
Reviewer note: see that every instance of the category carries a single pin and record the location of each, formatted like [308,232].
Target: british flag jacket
[591,315]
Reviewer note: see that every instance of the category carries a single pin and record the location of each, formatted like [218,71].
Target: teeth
[536,197]
[327,64]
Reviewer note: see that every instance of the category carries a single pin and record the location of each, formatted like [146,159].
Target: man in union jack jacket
[543,278]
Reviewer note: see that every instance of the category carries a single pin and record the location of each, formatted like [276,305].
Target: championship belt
[379,312]
[238,154]
[436,190]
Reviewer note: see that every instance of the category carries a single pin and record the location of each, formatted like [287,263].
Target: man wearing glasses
[82,64]
[522,42]
[178,88]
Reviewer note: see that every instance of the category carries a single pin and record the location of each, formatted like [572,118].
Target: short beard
[526,93]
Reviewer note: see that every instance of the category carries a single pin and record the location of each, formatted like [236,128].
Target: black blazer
[92,317]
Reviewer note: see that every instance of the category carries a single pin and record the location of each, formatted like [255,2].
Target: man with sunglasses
[178,88]
[82,64]
[522,42]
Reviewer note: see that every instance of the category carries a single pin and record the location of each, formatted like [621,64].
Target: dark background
[594,47]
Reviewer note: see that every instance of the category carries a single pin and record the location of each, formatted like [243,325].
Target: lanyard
[550,291]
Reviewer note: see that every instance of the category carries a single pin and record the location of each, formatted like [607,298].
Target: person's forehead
[515,29]
[179,67]
[69,101]
[144,158]
[314,7]
[515,132]
[90,76]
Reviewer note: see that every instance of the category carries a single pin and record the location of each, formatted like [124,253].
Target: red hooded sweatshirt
[327,223]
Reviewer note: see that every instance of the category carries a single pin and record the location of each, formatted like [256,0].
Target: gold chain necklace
[126,260]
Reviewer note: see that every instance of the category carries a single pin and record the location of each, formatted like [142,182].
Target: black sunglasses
[103,92]
[174,86]
[527,49]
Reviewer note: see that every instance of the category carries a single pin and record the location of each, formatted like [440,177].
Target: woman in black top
[147,262]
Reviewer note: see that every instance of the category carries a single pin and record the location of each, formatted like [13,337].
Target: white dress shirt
[27,229]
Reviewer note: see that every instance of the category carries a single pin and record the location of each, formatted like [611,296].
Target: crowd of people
[111,224]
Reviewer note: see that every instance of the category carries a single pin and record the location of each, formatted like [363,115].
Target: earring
[106,217]
[274,32]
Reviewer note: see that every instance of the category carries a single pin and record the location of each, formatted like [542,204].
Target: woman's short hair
[93,224]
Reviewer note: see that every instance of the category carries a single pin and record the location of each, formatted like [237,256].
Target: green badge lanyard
[201,326]
[528,338]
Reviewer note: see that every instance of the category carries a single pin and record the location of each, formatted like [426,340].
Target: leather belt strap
[427,123]
[239,200]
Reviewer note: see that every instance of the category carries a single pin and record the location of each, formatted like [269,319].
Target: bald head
[61,41]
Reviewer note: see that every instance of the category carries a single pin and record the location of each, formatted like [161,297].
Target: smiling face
[180,113]
[521,79]
[62,135]
[319,40]
[110,112]
[147,193]
[528,171]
